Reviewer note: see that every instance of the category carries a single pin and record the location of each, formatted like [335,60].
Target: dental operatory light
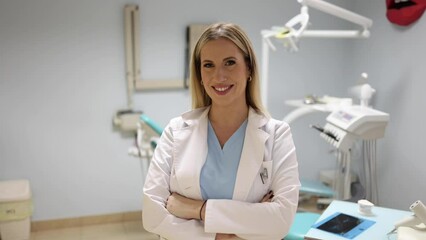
[298,27]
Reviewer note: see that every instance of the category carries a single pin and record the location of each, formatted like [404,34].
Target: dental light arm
[301,20]
[338,12]
[290,33]
[297,27]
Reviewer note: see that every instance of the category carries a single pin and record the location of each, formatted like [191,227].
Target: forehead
[219,49]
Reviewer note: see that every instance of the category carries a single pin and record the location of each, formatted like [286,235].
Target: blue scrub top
[218,175]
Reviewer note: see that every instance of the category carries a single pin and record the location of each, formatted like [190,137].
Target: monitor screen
[344,225]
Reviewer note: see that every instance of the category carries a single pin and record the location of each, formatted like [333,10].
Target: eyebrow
[225,59]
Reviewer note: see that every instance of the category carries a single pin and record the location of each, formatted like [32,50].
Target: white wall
[395,60]
[62,78]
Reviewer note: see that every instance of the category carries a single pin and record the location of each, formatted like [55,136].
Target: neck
[228,116]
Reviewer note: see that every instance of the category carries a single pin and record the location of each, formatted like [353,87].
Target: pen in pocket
[264,175]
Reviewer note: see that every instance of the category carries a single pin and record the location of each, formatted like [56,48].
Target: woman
[224,170]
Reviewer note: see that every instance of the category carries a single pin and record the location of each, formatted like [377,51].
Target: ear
[248,71]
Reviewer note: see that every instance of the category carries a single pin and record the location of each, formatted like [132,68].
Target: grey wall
[62,79]
[395,60]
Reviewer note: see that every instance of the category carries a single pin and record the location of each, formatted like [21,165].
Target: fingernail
[270,192]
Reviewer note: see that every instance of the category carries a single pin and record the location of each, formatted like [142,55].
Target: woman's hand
[268,197]
[187,208]
[183,207]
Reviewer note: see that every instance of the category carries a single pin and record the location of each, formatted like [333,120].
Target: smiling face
[224,73]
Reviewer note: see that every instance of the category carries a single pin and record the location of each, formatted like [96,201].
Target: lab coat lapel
[190,153]
[251,156]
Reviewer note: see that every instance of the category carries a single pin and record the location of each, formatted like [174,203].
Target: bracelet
[201,209]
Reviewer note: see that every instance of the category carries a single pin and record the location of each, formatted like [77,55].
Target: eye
[208,65]
[229,62]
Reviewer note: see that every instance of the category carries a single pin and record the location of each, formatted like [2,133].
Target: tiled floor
[110,231]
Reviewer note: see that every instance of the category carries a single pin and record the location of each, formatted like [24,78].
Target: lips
[405,12]
[222,89]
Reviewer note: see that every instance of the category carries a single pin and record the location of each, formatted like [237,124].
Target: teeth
[221,89]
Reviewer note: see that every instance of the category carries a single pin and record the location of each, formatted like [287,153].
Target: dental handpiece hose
[322,130]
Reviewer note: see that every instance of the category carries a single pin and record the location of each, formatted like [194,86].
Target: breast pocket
[266,173]
[262,183]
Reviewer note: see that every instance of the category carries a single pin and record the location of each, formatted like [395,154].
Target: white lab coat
[176,166]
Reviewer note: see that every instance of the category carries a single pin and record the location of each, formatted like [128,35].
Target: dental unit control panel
[364,122]
[347,124]
[344,126]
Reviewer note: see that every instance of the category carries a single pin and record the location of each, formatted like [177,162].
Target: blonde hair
[235,34]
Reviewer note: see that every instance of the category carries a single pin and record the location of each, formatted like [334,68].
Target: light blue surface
[384,218]
[219,172]
[301,225]
[316,188]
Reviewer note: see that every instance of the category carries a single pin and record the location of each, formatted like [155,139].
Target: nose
[220,75]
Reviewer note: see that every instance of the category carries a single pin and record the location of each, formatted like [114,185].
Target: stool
[301,225]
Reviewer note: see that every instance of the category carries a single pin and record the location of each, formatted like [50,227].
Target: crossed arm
[187,208]
[177,217]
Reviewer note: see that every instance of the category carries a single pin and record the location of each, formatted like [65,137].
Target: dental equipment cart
[384,219]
